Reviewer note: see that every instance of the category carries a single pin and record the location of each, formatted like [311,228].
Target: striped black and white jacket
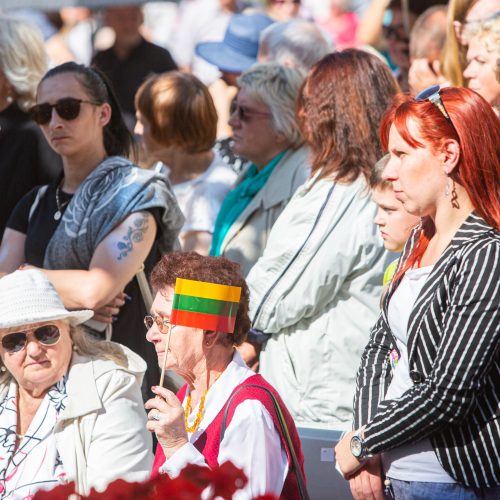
[453,354]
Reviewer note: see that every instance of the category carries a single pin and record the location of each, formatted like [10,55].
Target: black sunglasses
[432,94]
[46,335]
[244,114]
[67,108]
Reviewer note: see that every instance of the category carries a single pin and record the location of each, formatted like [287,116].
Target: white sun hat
[28,297]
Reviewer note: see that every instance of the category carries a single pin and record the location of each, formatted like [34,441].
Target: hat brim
[74,317]
[225,58]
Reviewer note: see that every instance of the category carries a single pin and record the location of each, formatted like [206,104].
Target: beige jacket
[101,435]
[246,239]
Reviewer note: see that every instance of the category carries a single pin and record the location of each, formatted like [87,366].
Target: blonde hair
[23,59]
[277,87]
[84,344]
[453,57]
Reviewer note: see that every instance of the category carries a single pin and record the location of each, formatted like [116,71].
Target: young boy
[394,222]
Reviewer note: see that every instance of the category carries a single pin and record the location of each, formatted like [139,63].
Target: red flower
[223,481]
[61,492]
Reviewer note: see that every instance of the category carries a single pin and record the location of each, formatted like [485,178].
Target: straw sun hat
[28,297]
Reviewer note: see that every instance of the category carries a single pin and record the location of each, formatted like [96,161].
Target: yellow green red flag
[209,306]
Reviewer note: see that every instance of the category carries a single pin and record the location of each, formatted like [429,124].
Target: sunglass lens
[14,342]
[41,113]
[68,109]
[47,335]
[426,93]
[149,322]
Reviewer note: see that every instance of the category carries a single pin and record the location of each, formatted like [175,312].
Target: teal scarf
[239,198]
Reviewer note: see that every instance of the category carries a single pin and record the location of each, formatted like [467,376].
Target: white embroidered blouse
[35,464]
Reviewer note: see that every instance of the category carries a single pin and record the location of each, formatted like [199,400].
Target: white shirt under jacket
[251,441]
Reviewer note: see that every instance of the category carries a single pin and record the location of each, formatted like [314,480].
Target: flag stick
[165,357]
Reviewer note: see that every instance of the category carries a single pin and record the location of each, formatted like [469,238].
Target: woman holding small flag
[225,411]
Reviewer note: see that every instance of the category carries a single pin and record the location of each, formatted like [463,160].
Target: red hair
[477,130]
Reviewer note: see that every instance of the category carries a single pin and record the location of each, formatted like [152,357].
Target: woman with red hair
[427,399]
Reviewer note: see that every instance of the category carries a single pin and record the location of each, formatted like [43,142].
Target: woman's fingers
[166,420]
[168,396]
[118,301]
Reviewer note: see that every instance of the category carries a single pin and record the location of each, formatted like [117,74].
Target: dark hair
[340,104]
[193,266]
[117,138]
[180,111]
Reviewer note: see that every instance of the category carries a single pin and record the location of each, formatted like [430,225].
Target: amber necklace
[199,413]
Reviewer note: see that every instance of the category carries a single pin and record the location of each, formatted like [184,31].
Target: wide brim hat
[28,297]
[238,51]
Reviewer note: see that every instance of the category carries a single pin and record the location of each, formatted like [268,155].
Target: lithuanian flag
[209,306]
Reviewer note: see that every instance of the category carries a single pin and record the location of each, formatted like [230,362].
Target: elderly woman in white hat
[70,406]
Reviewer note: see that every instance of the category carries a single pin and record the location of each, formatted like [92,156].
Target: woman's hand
[166,420]
[366,483]
[109,312]
[347,462]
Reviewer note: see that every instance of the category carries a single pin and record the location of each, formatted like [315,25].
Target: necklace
[60,205]
[199,414]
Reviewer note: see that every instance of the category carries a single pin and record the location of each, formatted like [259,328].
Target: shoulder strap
[40,193]
[284,429]
[146,293]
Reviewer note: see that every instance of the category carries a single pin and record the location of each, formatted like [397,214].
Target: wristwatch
[358,447]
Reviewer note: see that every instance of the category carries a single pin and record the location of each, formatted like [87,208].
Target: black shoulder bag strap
[284,429]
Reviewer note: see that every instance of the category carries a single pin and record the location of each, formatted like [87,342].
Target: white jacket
[102,435]
[317,289]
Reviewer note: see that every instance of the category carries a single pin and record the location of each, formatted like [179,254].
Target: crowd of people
[297,218]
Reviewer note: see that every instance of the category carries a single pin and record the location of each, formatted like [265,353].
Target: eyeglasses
[161,323]
[432,94]
[244,114]
[47,335]
[67,108]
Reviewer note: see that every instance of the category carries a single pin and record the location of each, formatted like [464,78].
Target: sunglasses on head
[67,108]
[244,114]
[46,335]
[432,94]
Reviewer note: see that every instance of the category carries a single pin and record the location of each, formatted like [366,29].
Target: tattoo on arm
[135,234]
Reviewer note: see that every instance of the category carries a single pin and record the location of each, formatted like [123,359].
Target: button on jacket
[453,354]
